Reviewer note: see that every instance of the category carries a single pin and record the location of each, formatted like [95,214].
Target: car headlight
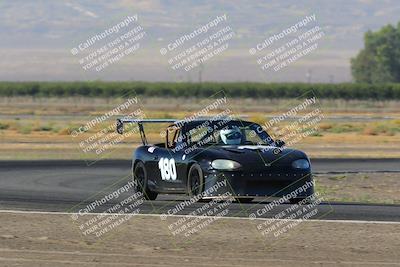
[301,164]
[225,164]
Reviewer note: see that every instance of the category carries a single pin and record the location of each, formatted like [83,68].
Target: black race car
[216,157]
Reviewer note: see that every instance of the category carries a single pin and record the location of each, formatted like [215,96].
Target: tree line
[349,91]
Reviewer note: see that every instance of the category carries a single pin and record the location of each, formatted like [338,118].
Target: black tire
[140,176]
[195,181]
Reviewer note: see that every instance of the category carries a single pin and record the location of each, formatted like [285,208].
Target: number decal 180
[167,169]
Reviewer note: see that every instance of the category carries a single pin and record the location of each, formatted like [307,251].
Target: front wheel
[195,183]
[140,179]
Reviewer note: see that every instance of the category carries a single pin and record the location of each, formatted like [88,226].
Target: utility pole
[201,68]
[309,76]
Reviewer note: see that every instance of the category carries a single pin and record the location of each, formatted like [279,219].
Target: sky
[156,40]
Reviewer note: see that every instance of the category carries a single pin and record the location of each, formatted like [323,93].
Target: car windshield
[234,134]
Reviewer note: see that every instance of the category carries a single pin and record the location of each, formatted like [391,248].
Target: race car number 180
[167,169]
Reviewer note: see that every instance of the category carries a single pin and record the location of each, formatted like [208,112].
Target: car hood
[256,156]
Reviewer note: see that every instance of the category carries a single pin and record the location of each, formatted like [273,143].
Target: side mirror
[280,143]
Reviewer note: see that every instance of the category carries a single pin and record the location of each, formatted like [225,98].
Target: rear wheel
[140,178]
[195,182]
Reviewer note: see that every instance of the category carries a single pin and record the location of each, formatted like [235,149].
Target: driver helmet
[231,136]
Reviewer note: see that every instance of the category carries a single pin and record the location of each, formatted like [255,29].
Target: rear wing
[122,121]
[140,122]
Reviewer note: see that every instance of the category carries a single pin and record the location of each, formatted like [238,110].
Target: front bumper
[258,183]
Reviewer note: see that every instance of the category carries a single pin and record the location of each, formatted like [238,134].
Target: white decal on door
[167,168]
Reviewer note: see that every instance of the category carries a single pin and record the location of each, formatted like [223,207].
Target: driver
[231,136]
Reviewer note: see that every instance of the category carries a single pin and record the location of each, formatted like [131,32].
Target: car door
[170,163]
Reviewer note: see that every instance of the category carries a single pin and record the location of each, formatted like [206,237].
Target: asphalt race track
[67,186]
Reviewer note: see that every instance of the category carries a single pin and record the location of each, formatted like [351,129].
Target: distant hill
[37,37]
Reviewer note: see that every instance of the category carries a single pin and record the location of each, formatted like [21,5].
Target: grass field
[40,128]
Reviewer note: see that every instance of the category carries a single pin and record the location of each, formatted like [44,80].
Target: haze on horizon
[37,37]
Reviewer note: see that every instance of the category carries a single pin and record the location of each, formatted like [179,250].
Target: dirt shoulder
[54,240]
[360,187]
